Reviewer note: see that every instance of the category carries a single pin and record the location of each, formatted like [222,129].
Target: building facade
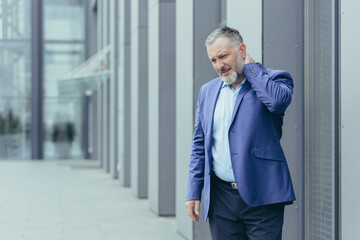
[133,101]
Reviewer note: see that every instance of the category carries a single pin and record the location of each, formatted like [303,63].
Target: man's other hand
[248,59]
[193,209]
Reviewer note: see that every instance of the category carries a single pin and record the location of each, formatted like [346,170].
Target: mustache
[224,69]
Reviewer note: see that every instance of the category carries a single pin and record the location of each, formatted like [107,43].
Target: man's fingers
[197,207]
[192,215]
[190,207]
[248,59]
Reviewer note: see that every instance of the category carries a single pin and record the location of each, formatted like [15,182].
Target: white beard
[231,79]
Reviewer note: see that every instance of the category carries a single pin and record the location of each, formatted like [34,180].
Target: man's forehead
[220,42]
[218,46]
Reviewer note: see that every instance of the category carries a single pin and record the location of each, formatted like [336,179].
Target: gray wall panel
[99,19]
[91,35]
[162,108]
[139,98]
[167,108]
[121,93]
[127,101]
[283,49]
[143,111]
[124,131]
[204,23]
[114,80]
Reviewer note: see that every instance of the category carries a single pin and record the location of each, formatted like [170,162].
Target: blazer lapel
[243,90]
[210,109]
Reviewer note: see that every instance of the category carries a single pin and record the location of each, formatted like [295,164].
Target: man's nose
[219,65]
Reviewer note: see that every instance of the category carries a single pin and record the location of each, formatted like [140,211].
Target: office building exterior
[118,81]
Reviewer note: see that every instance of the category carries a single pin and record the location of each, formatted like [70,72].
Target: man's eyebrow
[219,54]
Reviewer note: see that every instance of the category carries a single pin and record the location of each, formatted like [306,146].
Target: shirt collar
[225,84]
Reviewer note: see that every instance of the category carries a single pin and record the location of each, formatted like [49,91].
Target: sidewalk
[63,200]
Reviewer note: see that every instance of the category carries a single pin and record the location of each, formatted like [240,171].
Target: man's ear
[242,50]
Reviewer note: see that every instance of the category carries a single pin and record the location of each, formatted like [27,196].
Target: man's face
[226,60]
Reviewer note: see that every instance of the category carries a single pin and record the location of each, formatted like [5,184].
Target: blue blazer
[258,161]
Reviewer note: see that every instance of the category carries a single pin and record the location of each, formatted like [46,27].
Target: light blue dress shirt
[221,163]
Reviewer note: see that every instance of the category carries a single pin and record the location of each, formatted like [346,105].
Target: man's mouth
[225,70]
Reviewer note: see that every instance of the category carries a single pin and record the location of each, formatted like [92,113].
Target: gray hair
[231,34]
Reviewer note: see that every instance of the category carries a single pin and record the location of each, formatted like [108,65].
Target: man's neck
[238,82]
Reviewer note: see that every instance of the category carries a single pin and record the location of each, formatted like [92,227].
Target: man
[236,154]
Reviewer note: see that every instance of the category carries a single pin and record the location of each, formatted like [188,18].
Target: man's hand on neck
[248,59]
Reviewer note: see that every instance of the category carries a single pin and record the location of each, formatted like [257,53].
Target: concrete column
[86,123]
[193,69]
[104,125]
[139,98]
[100,123]
[350,117]
[184,108]
[124,131]
[106,90]
[104,83]
[114,58]
[99,105]
[94,127]
[252,30]
[127,101]
[162,107]
[91,34]
[105,22]
[37,81]
[99,20]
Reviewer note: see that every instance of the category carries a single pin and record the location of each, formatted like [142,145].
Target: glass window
[15,79]
[64,39]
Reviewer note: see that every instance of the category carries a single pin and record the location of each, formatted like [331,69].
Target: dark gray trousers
[231,219]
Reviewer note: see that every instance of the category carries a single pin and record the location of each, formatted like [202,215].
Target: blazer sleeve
[197,159]
[274,87]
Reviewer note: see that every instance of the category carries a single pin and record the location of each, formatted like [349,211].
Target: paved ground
[63,200]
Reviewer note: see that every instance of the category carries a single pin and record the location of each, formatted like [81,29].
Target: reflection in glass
[15,79]
[64,34]
[63,127]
